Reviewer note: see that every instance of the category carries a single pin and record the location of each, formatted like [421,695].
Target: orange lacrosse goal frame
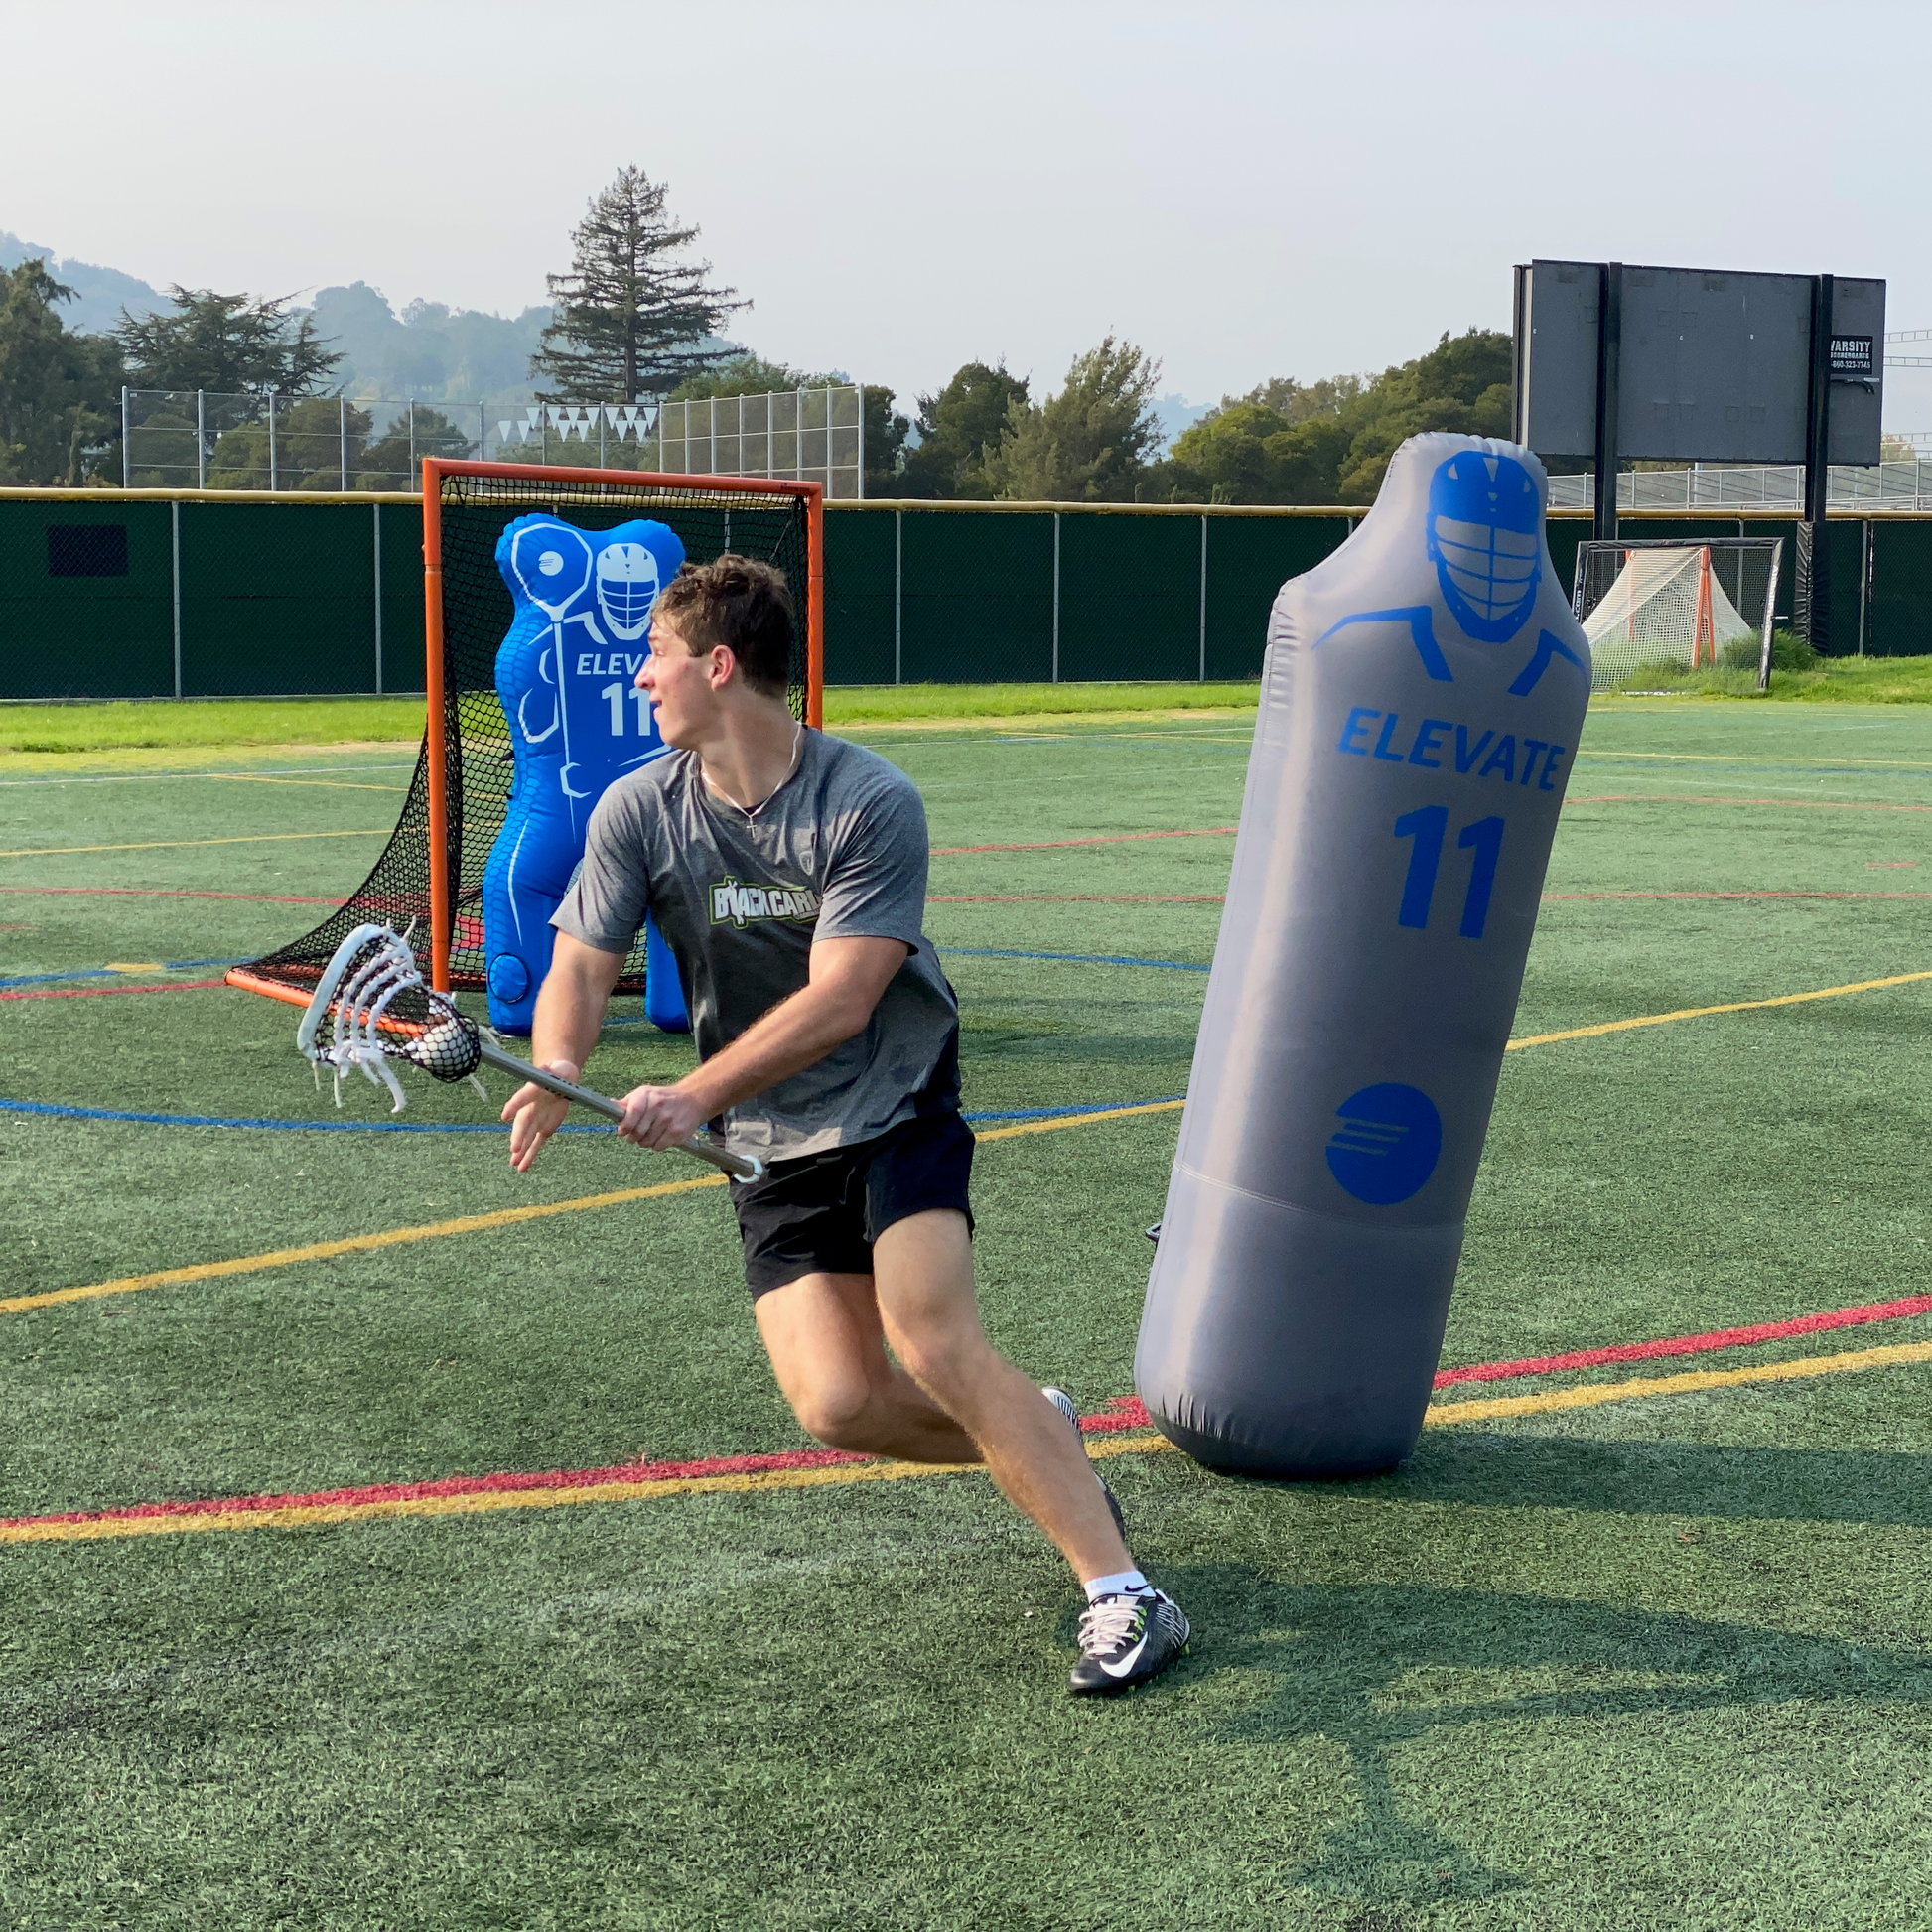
[428,879]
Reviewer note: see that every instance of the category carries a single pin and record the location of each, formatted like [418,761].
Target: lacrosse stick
[379,1009]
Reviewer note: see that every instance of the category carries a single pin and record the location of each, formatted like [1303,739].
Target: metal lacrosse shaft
[742,1166]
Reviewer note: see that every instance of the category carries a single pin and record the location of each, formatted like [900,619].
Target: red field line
[1110,838]
[395,1492]
[1122,1414]
[1641,1351]
[110,992]
[1620,896]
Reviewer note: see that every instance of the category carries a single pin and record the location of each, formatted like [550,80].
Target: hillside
[102,293]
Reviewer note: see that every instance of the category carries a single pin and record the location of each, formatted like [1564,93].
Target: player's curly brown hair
[742,604]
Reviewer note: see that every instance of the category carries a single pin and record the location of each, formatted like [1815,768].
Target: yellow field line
[509,1216]
[1079,1119]
[171,845]
[838,1475]
[1702,1013]
[308,1515]
[1592,1394]
[202,1271]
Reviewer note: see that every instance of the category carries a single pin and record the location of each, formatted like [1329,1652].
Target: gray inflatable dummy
[1420,707]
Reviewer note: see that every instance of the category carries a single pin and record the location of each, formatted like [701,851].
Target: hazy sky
[1245,191]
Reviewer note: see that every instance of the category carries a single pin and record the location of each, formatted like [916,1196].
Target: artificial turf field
[1661,1660]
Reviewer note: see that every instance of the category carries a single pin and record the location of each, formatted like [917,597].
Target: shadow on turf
[1661,1478]
[1375,1667]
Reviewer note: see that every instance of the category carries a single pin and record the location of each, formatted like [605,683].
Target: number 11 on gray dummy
[1420,708]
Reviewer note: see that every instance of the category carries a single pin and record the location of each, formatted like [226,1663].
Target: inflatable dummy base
[1321,1385]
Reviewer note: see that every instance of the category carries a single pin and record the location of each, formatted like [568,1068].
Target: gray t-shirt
[837,852]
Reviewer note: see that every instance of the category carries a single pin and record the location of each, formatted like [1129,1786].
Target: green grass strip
[165,725]
[885,704]
[215,723]
[202,722]
[1837,680]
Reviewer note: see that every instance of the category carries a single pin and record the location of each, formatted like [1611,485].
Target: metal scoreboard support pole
[1609,400]
[1812,598]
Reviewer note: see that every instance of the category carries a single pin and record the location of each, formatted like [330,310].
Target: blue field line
[111,973]
[1077,958]
[48,1110]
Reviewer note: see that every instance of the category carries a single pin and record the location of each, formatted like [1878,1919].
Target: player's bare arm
[848,976]
[569,1015]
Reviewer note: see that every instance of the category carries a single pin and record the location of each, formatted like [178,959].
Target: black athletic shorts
[821,1213]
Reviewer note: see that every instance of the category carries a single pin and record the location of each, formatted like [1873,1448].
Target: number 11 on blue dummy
[613,695]
[1428,827]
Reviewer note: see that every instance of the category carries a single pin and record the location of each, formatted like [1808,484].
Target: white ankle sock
[1123,1582]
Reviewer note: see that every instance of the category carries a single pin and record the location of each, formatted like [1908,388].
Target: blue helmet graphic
[1485,542]
[628,582]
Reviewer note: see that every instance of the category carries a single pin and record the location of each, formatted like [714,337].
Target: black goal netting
[476,764]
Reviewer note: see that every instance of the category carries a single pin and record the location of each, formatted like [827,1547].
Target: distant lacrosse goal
[1678,605]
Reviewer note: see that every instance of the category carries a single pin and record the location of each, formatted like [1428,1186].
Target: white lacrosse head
[380,1008]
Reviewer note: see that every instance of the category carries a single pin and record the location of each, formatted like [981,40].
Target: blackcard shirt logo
[743,906]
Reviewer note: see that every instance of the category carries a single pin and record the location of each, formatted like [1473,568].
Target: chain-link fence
[806,435]
[202,438]
[1904,485]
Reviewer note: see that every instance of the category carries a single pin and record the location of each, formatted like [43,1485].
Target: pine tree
[632,319]
[226,343]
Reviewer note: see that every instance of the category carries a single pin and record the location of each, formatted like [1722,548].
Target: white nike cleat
[1125,1641]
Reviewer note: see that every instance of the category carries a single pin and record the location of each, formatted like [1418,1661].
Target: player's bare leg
[923,1278]
[828,1351]
[955,1400]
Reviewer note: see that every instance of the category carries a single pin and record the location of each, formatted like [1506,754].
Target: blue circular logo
[509,978]
[1387,1145]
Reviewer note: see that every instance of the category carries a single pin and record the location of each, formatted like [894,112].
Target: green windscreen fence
[105,595]
[940,593]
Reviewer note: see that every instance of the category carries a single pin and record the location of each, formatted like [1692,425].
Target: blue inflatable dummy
[1420,706]
[566,675]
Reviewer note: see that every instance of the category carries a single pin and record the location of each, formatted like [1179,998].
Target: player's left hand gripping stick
[1420,708]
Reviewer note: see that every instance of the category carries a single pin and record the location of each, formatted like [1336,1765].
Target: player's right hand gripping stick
[1423,693]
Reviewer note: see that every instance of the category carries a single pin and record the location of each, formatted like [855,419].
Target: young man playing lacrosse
[787,871]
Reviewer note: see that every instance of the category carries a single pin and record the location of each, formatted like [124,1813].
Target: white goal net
[1660,607]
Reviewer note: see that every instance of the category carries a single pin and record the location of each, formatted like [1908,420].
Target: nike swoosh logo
[1127,1663]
